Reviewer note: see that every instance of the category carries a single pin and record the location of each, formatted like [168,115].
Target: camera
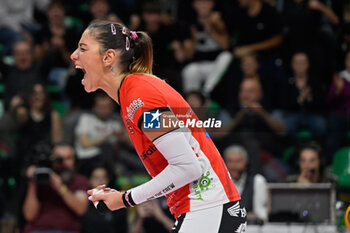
[44,162]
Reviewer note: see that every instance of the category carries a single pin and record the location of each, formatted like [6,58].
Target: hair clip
[127,44]
[124,30]
[134,35]
[113,29]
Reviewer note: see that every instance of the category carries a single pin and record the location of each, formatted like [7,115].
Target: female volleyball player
[183,161]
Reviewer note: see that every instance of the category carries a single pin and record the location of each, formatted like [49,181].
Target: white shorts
[230,217]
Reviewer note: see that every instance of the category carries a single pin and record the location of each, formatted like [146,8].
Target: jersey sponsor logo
[151,119]
[237,211]
[133,106]
[203,184]
[151,149]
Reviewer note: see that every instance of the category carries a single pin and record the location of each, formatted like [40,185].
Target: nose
[74,55]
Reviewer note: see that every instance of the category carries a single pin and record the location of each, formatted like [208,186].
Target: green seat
[341,167]
[60,107]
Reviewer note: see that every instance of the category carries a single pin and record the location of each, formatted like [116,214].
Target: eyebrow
[82,44]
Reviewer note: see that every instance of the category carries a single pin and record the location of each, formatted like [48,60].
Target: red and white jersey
[139,93]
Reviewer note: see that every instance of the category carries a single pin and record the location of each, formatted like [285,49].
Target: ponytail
[143,58]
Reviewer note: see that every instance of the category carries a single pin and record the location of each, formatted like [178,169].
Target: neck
[111,84]
[301,76]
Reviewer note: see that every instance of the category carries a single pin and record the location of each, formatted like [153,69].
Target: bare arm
[260,46]
[31,204]
[56,132]
[325,10]
[77,201]
[88,142]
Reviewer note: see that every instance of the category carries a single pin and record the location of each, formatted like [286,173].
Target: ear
[109,57]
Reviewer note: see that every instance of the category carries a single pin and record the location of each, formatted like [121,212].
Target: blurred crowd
[275,72]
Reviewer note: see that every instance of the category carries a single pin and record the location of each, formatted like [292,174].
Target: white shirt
[95,128]
[259,196]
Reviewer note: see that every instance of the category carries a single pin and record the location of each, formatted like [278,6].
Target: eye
[82,49]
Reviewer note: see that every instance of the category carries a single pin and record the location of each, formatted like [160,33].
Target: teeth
[78,67]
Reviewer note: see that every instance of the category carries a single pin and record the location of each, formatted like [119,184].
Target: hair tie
[113,29]
[134,35]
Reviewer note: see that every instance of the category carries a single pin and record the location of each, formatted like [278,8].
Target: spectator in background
[255,124]
[305,31]
[96,133]
[94,222]
[255,28]
[252,188]
[310,165]
[339,104]
[56,204]
[250,68]
[20,78]
[153,216]
[100,10]
[38,122]
[210,40]
[17,21]
[259,28]
[304,99]
[53,44]
[169,44]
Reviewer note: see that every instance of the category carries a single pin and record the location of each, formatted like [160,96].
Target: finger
[102,186]
[90,191]
[97,197]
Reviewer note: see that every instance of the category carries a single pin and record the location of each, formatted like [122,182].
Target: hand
[30,172]
[338,82]
[304,177]
[143,210]
[111,197]
[256,107]
[242,51]
[315,5]
[56,181]
[15,102]
[305,93]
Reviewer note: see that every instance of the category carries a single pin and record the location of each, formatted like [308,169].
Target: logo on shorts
[151,119]
[237,211]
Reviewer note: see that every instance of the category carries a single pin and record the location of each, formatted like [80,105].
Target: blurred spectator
[153,216]
[254,124]
[100,10]
[96,133]
[38,122]
[310,165]
[17,19]
[94,222]
[304,99]
[252,188]
[55,199]
[169,42]
[210,40]
[339,104]
[128,161]
[20,78]
[54,44]
[305,31]
[259,28]
[255,28]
